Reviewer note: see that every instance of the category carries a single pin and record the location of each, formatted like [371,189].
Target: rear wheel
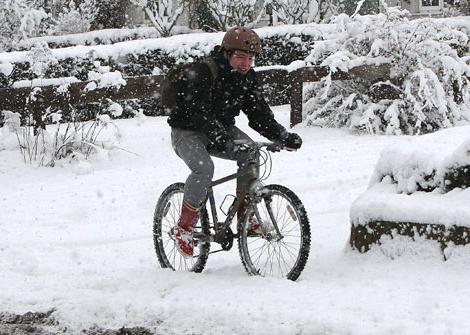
[266,252]
[165,218]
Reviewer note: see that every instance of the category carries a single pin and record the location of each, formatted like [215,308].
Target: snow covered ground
[78,238]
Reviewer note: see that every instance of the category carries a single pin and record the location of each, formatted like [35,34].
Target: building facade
[420,7]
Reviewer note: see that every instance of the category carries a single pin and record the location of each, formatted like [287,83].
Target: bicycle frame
[233,207]
[250,190]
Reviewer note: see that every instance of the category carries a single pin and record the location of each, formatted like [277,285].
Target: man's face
[241,61]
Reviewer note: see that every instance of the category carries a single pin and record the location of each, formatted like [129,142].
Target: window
[429,3]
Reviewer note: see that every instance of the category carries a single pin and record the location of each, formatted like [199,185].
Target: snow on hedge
[104,36]
[201,43]
[98,37]
[429,88]
[395,192]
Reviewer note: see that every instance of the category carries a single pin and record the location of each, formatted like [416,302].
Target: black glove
[292,141]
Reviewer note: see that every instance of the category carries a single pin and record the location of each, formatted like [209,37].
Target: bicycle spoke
[165,244]
[284,260]
[267,258]
[259,250]
[289,250]
[279,254]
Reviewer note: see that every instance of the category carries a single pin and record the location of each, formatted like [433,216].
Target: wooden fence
[16,99]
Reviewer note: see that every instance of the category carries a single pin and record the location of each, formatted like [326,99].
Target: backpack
[170,85]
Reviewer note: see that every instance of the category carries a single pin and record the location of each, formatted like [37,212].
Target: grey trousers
[191,147]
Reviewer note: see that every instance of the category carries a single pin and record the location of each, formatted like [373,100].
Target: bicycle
[280,249]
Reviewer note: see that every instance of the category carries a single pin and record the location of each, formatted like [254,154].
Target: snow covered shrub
[40,58]
[429,81]
[62,140]
[75,18]
[436,162]
[65,135]
[8,130]
[19,19]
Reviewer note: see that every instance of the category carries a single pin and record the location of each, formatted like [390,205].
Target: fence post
[296,88]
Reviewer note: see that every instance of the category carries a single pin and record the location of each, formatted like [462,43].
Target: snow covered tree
[110,14]
[162,13]
[325,9]
[292,11]
[464,6]
[200,15]
[229,13]
[75,18]
[300,11]
[429,86]
[19,19]
[363,7]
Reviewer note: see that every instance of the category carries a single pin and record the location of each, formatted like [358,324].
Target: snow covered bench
[419,190]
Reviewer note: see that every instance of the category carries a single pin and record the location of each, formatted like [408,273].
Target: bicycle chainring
[226,239]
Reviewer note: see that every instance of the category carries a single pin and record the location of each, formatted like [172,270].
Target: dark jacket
[210,105]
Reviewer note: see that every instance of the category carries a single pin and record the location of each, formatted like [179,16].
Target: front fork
[267,201]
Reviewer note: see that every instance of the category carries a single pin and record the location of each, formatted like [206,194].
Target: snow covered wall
[414,191]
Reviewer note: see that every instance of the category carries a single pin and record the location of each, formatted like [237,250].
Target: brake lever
[274,148]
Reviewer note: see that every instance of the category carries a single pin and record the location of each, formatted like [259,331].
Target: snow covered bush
[8,130]
[429,80]
[40,59]
[72,139]
[51,129]
[66,140]
[74,18]
[20,19]
[427,163]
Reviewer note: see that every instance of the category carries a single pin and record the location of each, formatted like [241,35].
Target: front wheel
[280,245]
[166,216]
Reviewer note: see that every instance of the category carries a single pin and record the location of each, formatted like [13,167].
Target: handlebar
[270,146]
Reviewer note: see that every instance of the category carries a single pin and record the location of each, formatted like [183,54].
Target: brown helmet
[242,38]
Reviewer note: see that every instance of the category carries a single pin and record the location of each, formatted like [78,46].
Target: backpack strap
[210,62]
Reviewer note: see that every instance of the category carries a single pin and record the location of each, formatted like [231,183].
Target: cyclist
[203,122]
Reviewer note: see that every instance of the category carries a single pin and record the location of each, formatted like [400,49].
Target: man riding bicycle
[210,95]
